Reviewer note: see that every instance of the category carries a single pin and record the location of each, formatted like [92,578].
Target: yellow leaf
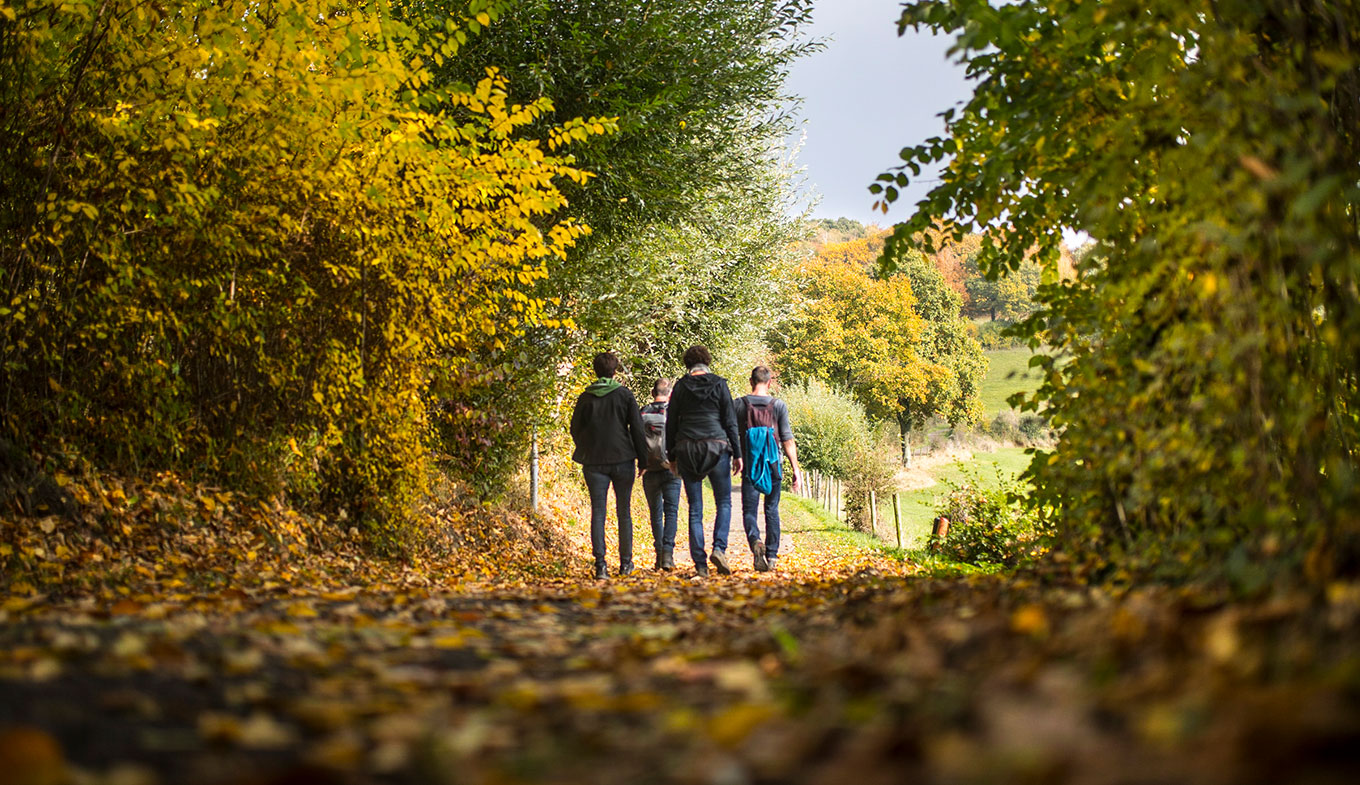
[732,726]
[1030,620]
[301,610]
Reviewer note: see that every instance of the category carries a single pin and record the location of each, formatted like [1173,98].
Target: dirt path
[840,668]
[563,680]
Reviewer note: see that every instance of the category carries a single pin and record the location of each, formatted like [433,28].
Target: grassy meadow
[918,507]
[1008,372]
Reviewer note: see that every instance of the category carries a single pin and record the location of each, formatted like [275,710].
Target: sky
[865,96]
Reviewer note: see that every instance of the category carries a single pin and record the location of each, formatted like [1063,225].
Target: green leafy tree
[1212,150]
[687,204]
[946,343]
[692,84]
[1009,297]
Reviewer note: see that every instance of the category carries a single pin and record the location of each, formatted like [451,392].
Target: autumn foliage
[1210,149]
[253,243]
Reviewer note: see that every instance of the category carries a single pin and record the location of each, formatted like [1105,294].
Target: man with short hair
[607,430]
[763,421]
[660,484]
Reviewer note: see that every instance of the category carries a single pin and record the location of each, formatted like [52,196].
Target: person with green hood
[611,447]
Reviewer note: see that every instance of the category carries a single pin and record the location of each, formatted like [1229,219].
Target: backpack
[654,430]
[762,446]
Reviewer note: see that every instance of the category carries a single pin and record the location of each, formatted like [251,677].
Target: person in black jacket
[610,446]
[701,440]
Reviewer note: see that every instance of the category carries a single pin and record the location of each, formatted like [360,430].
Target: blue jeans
[750,510]
[662,490]
[720,479]
[598,478]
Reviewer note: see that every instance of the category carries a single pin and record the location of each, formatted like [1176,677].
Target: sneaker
[771,561]
[719,560]
[601,572]
[758,557]
[701,569]
[625,569]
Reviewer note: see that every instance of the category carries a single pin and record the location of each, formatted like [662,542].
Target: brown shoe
[719,560]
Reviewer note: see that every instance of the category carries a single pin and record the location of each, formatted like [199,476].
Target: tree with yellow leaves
[254,241]
[876,338]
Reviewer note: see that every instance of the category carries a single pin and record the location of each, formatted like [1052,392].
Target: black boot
[601,572]
[667,561]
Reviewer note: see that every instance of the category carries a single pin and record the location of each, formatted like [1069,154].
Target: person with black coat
[702,442]
[611,447]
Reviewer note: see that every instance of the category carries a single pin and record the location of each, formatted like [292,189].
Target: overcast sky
[867,95]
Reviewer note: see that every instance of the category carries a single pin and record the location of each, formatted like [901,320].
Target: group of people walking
[692,430]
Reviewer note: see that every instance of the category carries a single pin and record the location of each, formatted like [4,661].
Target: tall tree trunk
[904,428]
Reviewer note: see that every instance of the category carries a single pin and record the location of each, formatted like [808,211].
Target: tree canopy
[1212,150]
[905,357]
[691,229]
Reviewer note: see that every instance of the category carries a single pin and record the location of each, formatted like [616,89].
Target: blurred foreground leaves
[471,664]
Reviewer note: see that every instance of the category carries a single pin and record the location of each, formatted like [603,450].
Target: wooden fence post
[533,471]
[873,513]
[897,520]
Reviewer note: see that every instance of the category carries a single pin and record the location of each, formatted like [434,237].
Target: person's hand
[793,484]
[641,471]
[736,466]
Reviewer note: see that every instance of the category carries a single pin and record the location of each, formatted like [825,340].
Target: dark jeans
[720,479]
[662,490]
[598,477]
[750,510]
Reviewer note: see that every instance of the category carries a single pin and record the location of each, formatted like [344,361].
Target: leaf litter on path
[844,666]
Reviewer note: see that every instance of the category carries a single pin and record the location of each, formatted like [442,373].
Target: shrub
[994,335]
[873,471]
[835,437]
[1035,428]
[987,525]
[1006,426]
[830,428]
[255,273]
[1023,429]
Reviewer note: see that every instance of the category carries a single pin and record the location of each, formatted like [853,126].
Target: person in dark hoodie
[610,446]
[702,441]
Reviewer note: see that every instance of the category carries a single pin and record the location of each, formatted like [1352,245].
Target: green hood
[602,387]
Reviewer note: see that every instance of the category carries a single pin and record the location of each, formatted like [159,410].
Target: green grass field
[1008,372]
[918,507]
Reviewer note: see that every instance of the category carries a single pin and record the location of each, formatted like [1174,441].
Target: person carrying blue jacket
[763,422]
